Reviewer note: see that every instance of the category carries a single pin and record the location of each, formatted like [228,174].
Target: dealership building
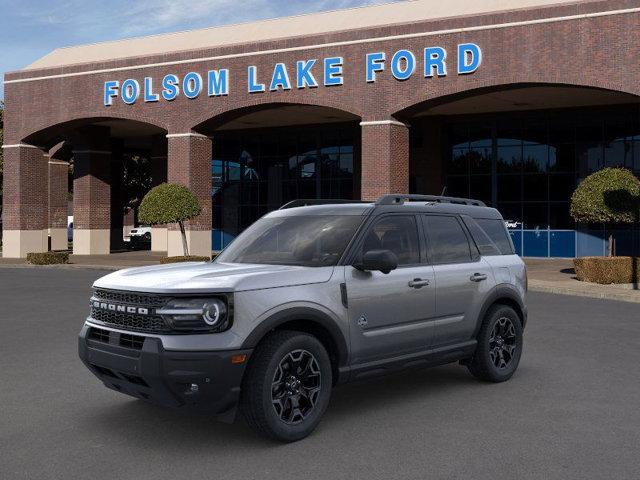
[511,102]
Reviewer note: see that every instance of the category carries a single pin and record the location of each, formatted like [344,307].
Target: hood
[211,277]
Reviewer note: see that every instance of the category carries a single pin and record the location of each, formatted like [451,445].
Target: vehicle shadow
[193,431]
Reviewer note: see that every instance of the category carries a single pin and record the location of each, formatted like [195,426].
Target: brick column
[385,158]
[58,191]
[158,175]
[25,212]
[189,164]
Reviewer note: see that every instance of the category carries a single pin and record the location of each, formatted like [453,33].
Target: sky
[29,29]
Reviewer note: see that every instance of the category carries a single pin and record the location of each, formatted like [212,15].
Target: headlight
[196,314]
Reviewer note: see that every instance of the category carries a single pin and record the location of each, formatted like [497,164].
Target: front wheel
[287,386]
[499,345]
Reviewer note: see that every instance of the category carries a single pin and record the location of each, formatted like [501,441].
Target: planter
[607,270]
[48,258]
[190,258]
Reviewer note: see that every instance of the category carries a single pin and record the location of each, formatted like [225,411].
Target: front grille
[127,320]
[130,321]
[149,300]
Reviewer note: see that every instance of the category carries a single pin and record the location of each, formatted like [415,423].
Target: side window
[397,233]
[497,231]
[485,245]
[447,241]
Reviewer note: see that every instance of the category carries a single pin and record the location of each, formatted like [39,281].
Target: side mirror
[378,260]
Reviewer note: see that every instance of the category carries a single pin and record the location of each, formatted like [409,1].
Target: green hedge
[607,270]
[48,258]
[190,258]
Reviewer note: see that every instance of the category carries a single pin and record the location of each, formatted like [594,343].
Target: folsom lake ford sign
[309,73]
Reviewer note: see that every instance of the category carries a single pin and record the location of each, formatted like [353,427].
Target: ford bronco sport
[312,295]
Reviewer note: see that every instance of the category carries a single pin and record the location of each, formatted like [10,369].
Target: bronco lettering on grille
[120,308]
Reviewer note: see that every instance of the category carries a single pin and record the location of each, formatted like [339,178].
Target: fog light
[238,359]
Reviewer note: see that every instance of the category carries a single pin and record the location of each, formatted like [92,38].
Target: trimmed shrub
[607,270]
[611,195]
[48,258]
[170,203]
[190,258]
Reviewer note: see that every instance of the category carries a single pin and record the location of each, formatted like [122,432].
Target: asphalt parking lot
[571,411]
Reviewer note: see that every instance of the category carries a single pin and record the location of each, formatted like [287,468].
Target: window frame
[354,250]
[474,253]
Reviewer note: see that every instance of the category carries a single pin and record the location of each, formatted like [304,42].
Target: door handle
[418,283]
[478,277]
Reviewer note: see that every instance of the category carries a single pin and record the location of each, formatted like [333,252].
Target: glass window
[447,241]
[497,232]
[312,241]
[397,233]
[535,216]
[485,245]
[510,159]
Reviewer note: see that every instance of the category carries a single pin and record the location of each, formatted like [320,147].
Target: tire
[270,394]
[499,345]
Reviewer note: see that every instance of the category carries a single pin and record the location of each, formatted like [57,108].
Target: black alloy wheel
[296,386]
[499,345]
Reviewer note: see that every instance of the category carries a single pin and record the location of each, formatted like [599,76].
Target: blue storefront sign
[308,73]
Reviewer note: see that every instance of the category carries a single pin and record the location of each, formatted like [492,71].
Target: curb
[616,296]
[64,266]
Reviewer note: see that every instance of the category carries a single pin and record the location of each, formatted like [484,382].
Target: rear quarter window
[496,230]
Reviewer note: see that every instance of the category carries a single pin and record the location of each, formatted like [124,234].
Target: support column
[58,191]
[189,164]
[92,193]
[25,211]
[385,158]
[159,233]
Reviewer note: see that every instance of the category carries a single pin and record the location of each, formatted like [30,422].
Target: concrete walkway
[558,276]
[545,275]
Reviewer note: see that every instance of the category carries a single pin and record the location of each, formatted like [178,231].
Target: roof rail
[400,199]
[302,202]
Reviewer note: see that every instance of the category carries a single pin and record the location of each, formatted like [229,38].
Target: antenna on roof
[444,191]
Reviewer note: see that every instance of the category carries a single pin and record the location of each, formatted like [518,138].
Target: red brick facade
[590,43]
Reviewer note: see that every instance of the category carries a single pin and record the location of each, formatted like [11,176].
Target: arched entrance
[267,155]
[113,163]
[523,149]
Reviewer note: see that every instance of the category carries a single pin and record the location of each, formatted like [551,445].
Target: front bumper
[139,366]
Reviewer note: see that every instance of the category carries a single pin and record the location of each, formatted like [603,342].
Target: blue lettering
[375,63]
[218,82]
[469,58]
[192,85]
[130,91]
[149,96]
[434,58]
[304,77]
[254,87]
[403,64]
[280,78]
[110,92]
[333,71]
[170,87]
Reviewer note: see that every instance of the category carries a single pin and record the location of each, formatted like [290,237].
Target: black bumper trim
[164,377]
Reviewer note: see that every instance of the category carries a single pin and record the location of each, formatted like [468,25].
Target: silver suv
[310,296]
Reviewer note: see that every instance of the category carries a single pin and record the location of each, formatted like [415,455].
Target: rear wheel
[287,386]
[499,345]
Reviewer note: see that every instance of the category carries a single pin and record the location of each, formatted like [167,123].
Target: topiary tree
[170,203]
[611,195]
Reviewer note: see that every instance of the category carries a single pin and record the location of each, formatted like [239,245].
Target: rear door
[391,314]
[463,279]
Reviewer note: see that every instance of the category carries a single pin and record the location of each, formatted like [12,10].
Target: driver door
[391,314]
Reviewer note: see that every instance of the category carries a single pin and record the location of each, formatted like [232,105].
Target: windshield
[312,241]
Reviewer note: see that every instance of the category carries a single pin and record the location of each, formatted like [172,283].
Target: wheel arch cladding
[503,295]
[310,321]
